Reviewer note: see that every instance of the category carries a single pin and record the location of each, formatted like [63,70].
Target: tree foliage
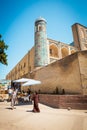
[3,55]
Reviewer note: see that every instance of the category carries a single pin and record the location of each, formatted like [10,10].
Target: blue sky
[17,19]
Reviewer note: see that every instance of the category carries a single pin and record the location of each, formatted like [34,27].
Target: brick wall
[69,73]
[62,74]
[64,101]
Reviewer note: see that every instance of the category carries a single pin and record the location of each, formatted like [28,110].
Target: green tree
[3,47]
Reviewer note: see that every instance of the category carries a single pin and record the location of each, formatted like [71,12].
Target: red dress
[36,100]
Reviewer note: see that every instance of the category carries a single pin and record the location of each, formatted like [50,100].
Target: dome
[40,19]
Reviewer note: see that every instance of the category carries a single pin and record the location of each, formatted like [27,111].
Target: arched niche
[64,52]
[53,49]
[40,28]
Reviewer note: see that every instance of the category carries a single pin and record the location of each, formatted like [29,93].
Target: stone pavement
[49,118]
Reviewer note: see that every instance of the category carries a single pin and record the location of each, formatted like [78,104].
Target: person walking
[36,101]
[10,93]
[13,98]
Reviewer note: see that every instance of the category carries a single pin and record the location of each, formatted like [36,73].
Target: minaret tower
[41,44]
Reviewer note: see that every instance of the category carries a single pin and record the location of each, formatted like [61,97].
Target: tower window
[40,28]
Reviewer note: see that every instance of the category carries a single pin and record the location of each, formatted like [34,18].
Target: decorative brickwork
[41,44]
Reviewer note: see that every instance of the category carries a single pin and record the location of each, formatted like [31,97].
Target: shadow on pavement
[29,111]
[24,103]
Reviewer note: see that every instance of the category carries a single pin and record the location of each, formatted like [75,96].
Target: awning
[21,80]
[31,82]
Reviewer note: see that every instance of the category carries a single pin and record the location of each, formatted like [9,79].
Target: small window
[24,65]
[51,51]
[29,68]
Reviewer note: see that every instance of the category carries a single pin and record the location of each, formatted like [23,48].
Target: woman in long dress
[36,101]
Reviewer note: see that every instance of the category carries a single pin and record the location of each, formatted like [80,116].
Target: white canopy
[22,80]
[31,82]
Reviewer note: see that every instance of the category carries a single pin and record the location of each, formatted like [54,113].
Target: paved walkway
[49,118]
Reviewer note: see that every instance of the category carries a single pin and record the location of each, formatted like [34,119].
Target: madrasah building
[57,65]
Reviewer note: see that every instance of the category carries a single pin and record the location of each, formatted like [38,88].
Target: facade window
[24,65]
[29,68]
[51,51]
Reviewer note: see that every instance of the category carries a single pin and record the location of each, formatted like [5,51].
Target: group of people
[13,98]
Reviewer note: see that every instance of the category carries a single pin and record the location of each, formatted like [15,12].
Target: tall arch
[53,49]
[65,52]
